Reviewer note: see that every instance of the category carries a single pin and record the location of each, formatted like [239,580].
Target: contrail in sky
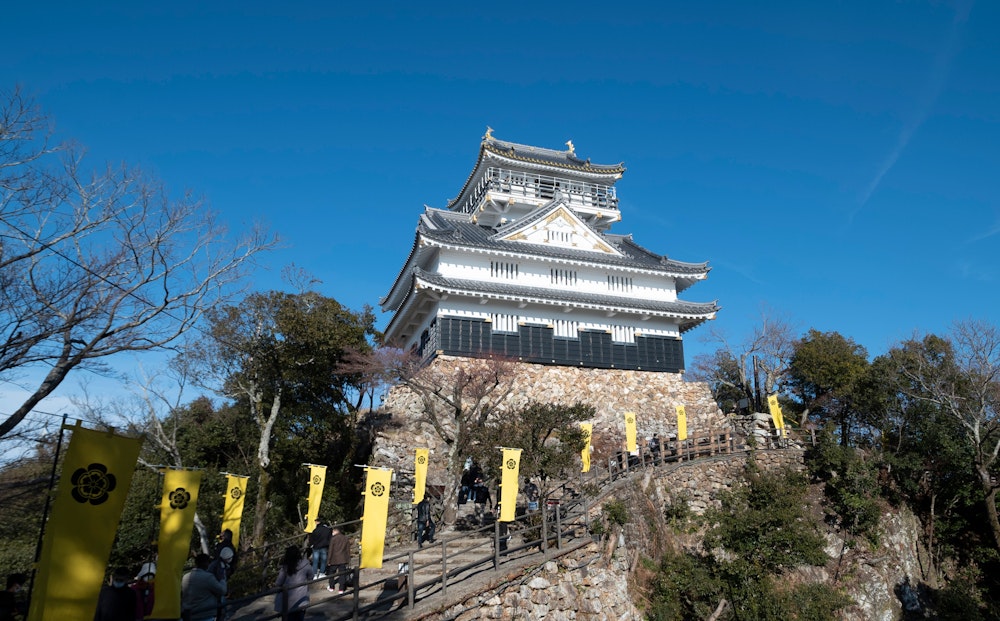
[925,102]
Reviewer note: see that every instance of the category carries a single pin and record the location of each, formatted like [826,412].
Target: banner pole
[48,501]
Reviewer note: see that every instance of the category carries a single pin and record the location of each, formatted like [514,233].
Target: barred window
[562,277]
[565,328]
[561,237]
[504,323]
[619,283]
[623,334]
[499,269]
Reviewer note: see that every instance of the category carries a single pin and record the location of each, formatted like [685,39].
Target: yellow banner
[419,474]
[776,415]
[375,515]
[630,443]
[317,481]
[682,424]
[508,483]
[232,512]
[177,508]
[588,432]
[96,475]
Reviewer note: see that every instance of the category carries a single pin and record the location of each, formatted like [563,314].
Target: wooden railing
[561,523]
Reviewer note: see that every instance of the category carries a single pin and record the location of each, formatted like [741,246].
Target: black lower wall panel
[538,344]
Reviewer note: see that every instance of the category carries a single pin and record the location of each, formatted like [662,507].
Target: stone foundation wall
[576,587]
[652,396]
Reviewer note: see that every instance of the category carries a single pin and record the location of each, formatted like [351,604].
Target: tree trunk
[260,512]
[991,503]
[264,476]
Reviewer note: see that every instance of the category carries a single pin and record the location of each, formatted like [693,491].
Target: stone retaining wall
[575,587]
[652,396]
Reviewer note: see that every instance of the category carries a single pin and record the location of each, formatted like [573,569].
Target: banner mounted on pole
[508,483]
[177,509]
[317,481]
[96,475]
[630,442]
[232,512]
[375,516]
[776,416]
[682,424]
[588,432]
[420,474]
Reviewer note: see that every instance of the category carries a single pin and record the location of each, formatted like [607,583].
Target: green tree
[961,377]
[824,370]
[549,435]
[278,354]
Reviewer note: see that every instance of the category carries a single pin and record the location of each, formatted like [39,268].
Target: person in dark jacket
[425,524]
[339,557]
[117,602]
[11,606]
[319,541]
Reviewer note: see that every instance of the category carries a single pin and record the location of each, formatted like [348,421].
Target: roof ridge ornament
[489,133]
[572,149]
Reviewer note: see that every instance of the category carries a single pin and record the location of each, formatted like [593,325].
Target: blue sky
[837,162]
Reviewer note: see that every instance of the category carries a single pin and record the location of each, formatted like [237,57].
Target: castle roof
[522,155]
[689,314]
[445,229]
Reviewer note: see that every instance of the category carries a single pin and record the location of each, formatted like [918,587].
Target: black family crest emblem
[179,498]
[92,484]
[422,459]
[630,419]
[235,493]
[511,464]
[378,489]
[317,479]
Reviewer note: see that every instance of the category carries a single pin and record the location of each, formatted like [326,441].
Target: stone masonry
[651,395]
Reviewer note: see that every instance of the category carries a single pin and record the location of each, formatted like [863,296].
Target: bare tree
[92,265]
[458,398]
[963,380]
[753,367]
[146,408]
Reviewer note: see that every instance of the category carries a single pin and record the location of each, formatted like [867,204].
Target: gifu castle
[522,264]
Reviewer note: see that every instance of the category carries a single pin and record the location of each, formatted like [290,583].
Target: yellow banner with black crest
[508,483]
[420,460]
[96,475]
[177,509]
[630,441]
[375,516]
[232,512]
[588,432]
[317,481]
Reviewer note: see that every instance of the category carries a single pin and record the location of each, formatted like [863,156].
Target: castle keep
[523,264]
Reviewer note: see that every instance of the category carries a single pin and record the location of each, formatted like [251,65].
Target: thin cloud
[925,103]
[995,230]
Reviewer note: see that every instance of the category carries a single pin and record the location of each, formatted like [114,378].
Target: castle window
[500,269]
[504,323]
[565,328]
[559,237]
[562,277]
[623,334]
[619,283]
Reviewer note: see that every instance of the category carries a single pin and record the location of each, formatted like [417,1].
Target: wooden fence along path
[413,575]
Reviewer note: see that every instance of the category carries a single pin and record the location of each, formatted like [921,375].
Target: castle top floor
[512,180]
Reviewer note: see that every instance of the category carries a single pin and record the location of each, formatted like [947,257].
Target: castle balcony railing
[514,184]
